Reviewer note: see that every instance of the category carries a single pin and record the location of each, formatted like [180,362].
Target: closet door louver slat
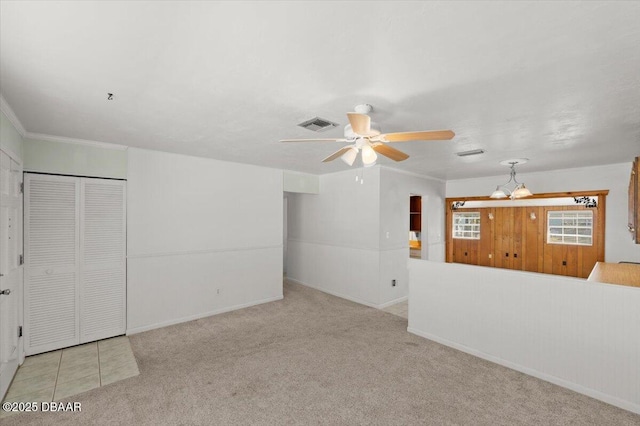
[103,257]
[52,262]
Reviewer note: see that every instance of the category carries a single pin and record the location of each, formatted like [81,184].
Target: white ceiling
[556,82]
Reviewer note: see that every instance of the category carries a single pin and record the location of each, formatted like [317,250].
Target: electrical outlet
[393,283]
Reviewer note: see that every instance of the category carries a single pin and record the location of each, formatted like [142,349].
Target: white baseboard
[333,293]
[393,302]
[352,299]
[136,330]
[609,399]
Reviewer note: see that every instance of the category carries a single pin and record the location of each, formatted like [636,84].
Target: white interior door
[102,259]
[52,262]
[10,269]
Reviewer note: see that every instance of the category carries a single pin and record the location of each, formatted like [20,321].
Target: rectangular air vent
[468,153]
[318,124]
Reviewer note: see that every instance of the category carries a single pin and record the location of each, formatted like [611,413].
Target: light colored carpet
[316,359]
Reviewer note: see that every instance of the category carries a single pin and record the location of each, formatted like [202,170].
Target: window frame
[475,227]
[575,227]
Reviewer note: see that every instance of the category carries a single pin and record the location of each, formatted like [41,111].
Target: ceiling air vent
[468,153]
[318,124]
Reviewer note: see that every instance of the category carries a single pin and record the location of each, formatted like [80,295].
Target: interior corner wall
[395,189]
[614,177]
[333,237]
[11,141]
[204,237]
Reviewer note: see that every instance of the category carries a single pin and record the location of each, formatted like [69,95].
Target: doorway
[415,226]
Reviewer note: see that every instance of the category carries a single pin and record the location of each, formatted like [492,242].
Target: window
[466,225]
[570,227]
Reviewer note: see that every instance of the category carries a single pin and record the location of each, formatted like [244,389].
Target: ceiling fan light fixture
[369,156]
[361,134]
[350,156]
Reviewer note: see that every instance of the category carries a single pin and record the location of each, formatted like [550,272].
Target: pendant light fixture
[512,189]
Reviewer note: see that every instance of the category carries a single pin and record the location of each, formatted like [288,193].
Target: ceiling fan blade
[435,135]
[314,140]
[387,151]
[360,123]
[336,154]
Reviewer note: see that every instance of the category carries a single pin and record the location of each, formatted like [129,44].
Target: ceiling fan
[365,136]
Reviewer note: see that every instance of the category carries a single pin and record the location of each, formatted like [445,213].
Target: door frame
[10,369]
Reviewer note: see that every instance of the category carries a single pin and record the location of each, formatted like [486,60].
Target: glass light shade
[350,156]
[369,156]
[521,192]
[498,193]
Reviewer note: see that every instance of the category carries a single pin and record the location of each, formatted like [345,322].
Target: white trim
[349,246]
[13,118]
[333,293]
[414,174]
[626,405]
[294,172]
[13,156]
[393,302]
[62,139]
[203,251]
[136,330]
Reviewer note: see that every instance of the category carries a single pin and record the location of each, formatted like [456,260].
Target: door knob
[5,292]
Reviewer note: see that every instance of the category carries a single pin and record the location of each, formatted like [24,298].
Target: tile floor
[57,375]
[400,309]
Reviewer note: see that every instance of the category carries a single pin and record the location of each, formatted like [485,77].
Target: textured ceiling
[556,82]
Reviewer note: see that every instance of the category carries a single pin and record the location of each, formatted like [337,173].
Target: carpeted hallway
[316,359]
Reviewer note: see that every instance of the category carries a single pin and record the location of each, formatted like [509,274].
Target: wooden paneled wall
[515,238]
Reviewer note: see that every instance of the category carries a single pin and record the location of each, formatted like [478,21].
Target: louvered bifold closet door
[52,262]
[103,259]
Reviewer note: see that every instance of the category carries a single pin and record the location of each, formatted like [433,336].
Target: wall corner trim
[13,118]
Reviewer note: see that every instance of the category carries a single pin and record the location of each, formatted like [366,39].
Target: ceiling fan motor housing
[350,134]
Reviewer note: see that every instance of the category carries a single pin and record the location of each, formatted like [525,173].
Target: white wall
[395,189]
[59,157]
[204,236]
[333,237]
[300,182]
[581,335]
[614,177]
[338,239]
